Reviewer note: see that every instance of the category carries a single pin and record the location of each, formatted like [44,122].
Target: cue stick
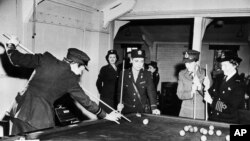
[90,95]
[194,116]
[206,114]
[20,45]
[123,69]
[194,100]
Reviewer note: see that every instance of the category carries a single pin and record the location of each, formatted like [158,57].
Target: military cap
[78,56]
[138,53]
[112,52]
[229,56]
[190,56]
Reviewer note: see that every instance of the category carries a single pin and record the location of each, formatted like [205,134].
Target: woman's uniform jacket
[147,93]
[106,84]
[228,98]
[184,88]
[52,79]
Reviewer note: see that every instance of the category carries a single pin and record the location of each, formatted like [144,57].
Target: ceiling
[96,4]
[236,29]
[233,29]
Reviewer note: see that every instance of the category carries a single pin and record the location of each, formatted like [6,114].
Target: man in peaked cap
[139,93]
[189,88]
[52,79]
[226,95]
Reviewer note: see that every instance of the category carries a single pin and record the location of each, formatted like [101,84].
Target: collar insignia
[222,55]
[186,55]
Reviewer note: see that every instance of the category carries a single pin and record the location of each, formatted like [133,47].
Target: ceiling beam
[116,9]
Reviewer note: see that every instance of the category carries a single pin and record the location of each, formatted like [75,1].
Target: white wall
[58,27]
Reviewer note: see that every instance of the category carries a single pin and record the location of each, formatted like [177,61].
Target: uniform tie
[225,78]
[191,75]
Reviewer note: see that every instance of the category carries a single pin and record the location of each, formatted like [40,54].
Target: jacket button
[214,90]
[223,92]
[134,106]
[134,93]
[134,99]
[217,114]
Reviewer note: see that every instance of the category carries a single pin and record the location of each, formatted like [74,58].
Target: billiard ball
[211,127]
[195,129]
[201,130]
[191,129]
[182,133]
[22,139]
[227,137]
[211,132]
[204,131]
[138,114]
[145,121]
[203,138]
[218,132]
[186,128]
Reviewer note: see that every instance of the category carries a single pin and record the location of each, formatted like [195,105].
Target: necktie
[225,78]
[191,75]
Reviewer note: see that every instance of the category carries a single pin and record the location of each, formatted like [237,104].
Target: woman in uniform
[189,88]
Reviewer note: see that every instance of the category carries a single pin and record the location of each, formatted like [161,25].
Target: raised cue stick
[27,50]
[123,69]
[20,45]
[206,114]
[194,99]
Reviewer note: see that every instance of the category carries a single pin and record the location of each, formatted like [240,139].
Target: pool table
[158,128]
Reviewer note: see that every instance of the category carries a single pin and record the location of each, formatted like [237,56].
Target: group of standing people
[224,97]
[131,90]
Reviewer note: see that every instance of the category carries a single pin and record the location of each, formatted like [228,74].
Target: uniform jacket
[228,97]
[146,90]
[156,79]
[184,93]
[106,84]
[53,78]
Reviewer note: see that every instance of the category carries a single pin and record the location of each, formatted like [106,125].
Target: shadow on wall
[11,70]
[169,103]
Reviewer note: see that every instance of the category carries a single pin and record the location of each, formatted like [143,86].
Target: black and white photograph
[124,70]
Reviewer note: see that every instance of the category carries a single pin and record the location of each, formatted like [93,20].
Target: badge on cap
[140,52]
[223,55]
[186,55]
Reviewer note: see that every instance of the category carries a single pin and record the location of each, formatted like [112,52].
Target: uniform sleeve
[182,92]
[24,60]
[99,82]
[157,79]
[79,95]
[151,92]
